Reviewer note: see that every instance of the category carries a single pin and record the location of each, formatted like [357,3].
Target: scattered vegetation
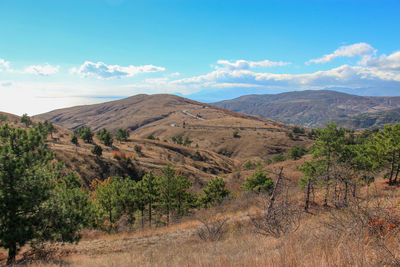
[97,150]
[3,118]
[297,152]
[105,137]
[259,182]
[85,133]
[122,135]
[181,141]
[214,193]
[25,119]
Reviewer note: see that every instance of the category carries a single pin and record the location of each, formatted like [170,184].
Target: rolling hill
[167,116]
[372,119]
[312,108]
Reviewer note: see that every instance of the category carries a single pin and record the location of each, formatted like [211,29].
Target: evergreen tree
[312,170]
[259,182]
[329,145]
[122,135]
[30,190]
[214,192]
[174,195]
[97,150]
[50,128]
[387,151]
[74,140]
[85,133]
[105,136]
[26,120]
[150,185]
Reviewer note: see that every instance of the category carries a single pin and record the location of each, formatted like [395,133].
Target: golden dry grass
[313,244]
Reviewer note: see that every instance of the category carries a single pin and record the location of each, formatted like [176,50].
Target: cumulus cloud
[359,49]
[102,71]
[245,65]
[391,62]
[342,76]
[42,70]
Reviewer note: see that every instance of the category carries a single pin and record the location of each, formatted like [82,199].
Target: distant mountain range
[315,108]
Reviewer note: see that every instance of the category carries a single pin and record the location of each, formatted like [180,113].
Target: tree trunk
[397,173]
[392,168]
[308,195]
[274,191]
[327,181]
[168,216]
[142,218]
[346,188]
[150,204]
[12,252]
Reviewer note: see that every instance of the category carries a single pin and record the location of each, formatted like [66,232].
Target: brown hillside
[168,116]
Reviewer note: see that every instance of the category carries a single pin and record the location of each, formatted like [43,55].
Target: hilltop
[312,108]
[165,117]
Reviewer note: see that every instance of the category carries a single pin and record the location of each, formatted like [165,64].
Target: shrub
[298,130]
[122,135]
[279,158]
[297,152]
[105,136]
[259,182]
[151,137]
[249,165]
[97,150]
[214,192]
[235,134]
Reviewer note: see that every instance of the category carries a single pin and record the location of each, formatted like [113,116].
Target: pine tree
[150,185]
[259,182]
[122,135]
[26,120]
[105,136]
[214,192]
[97,150]
[30,190]
[174,195]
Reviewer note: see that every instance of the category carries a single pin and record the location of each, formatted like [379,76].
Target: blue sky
[61,53]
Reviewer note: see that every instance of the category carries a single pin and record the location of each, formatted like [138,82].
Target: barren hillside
[311,108]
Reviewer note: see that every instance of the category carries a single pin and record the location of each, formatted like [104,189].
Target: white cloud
[391,62]
[103,71]
[359,49]
[342,76]
[42,70]
[4,65]
[245,65]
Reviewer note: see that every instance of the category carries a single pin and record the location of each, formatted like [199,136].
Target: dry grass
[315,243]
[310,246]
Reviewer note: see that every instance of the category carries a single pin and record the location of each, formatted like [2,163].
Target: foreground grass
[325,238]
[311,245]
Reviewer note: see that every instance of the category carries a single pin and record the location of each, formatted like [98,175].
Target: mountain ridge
[312,108]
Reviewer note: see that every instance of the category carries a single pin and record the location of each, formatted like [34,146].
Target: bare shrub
[373,223]
[213,227]
[280,215]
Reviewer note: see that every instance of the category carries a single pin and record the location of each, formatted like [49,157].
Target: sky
[60,53]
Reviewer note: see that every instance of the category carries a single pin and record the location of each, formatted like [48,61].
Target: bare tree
[280,215]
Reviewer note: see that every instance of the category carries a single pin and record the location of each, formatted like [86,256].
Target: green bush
[279,158]
[259,182]
[297,152]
